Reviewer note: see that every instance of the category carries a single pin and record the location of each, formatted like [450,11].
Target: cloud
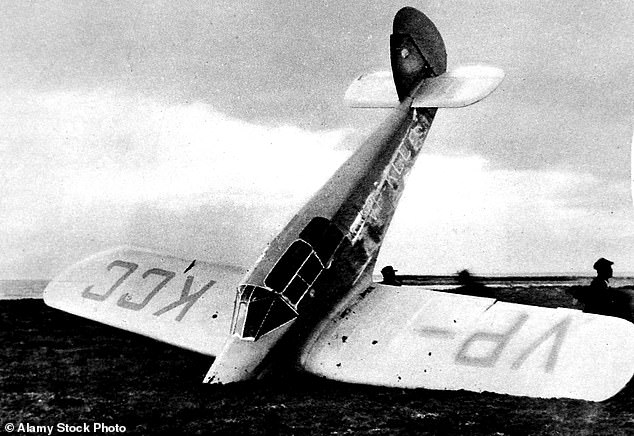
[458,212]
[95,166]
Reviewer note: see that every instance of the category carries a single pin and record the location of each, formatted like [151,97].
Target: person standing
[600,298]
[389,276]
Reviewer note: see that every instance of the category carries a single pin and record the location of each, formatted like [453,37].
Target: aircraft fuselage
[326,249]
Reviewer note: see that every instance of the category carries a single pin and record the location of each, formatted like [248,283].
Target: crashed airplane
[309,301]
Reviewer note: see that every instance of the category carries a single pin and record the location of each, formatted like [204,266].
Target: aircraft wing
[417,338]
[182,302]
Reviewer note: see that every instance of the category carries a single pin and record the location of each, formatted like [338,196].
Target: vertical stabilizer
[417,51]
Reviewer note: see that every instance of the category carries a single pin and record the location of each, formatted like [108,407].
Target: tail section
[419,70]
[417,51]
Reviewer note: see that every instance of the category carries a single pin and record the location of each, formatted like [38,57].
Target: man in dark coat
[389,276]
[600,298]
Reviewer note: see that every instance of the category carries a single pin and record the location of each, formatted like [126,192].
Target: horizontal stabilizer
[373,90]
[459,87]
[416,338]
[181,302]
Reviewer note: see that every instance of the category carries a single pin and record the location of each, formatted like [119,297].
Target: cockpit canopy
[261,309]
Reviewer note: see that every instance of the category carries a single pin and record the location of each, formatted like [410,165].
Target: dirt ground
[58,368]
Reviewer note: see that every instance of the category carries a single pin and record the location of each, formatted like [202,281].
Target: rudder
[417,51]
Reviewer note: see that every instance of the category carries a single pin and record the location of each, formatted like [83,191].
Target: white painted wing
[160,296]
[415,338]
[458,87]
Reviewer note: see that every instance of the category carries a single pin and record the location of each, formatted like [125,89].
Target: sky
[199,128]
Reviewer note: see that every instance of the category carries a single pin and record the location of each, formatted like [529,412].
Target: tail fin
[417,51]
[419,71]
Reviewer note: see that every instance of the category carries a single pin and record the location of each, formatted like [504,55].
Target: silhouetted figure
[389,276]
[599,298]
[470,285]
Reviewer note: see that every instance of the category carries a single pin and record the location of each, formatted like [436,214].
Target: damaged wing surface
[417,338]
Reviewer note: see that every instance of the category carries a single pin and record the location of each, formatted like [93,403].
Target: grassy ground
[57,368]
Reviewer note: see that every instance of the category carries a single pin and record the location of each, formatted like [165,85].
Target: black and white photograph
[316,218]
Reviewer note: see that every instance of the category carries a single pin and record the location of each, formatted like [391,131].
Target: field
[58,368]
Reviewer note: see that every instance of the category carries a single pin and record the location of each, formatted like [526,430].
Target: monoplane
[310,300]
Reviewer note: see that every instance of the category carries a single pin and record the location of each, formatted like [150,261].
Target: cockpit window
[298,268]
[311,268]
[279,314]
[287,266]
[295,272]
[259,311]
[323,237]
